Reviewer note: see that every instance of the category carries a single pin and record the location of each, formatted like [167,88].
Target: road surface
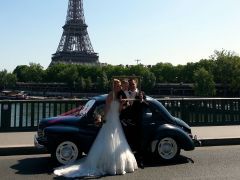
[218,162]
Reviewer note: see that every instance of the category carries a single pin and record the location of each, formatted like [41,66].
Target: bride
[110,153]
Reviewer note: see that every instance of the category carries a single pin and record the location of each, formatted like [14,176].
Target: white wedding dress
[110,153]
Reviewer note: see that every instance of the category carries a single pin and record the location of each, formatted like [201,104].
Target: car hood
[182,124]
[60,120]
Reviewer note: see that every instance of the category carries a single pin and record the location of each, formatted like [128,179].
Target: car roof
[104,96]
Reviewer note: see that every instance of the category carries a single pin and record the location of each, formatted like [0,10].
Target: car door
[148,121]
[90,128]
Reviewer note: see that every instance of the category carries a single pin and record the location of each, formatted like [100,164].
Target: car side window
[147,113]
[98,115]
[152,114]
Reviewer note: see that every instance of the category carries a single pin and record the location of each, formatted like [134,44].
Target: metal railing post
[6,115]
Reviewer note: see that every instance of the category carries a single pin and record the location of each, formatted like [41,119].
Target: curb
[219,142]
[29,150]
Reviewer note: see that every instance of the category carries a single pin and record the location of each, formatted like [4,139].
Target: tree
[188,72]
[235,80]
[164,72]
[69,75]
[80,84]
[32,73]
[203,83]
[3,80]
[35,72]
[226,70]
[208,64]
[21,73]
[7,80]
[102,82]
[89,84]
[148,81]
[52,73]
[222,53]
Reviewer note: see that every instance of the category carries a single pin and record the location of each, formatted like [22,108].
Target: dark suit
[137,116]
[121,95]
[126,118]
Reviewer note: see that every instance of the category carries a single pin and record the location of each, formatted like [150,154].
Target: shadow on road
[152,162]
[80,178]
[149,162]
[44,165]
[38,165]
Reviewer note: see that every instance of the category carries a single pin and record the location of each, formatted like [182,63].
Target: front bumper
[196,142]
[37,143]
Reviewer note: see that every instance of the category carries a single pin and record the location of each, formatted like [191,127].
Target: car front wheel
[167,149]
[65,152]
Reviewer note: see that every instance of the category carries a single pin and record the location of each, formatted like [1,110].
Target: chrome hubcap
[167,148]
[66,152]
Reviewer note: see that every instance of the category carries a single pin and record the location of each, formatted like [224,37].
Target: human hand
[122,101]
[124,123]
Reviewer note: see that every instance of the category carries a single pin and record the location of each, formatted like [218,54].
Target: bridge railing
[24,115]
[205,111]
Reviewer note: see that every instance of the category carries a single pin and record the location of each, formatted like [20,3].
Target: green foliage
[7,80]
[223,67]
[89,84]
[164,72]
[226,70]
[21,73]
[69,75]
[188,72]
[32,73]
[102,82]
[203,83]
[80,84]
[52,72]
[148,81]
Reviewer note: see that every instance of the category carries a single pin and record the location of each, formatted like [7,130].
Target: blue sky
[175,31]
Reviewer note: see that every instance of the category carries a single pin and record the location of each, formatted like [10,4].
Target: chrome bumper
[197,143]
[36,143]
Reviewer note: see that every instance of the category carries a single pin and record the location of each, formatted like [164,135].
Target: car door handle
[152,123]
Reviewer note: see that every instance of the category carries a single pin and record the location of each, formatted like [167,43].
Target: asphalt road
[218,162]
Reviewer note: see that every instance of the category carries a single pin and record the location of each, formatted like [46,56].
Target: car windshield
[87,107]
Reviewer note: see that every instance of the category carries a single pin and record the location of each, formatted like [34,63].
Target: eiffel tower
[75,46]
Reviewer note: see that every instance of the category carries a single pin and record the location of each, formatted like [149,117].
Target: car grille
[40,131]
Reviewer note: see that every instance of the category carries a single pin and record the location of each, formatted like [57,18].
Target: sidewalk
[18,143]
[209,136]
[217,132]
[218,135]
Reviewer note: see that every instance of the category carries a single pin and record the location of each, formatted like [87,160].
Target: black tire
[167,149]
[65,152]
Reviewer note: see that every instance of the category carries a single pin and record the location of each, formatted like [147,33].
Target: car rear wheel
[167,149]
[66,152]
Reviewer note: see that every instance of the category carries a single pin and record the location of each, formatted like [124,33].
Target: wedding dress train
[110,153]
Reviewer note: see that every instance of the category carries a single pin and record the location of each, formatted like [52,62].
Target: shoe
[141,165]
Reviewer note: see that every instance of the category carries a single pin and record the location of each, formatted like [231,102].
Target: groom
[138,108]
[126,115]
[131,121]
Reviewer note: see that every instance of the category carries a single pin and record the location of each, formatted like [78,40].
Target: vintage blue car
[68,137]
